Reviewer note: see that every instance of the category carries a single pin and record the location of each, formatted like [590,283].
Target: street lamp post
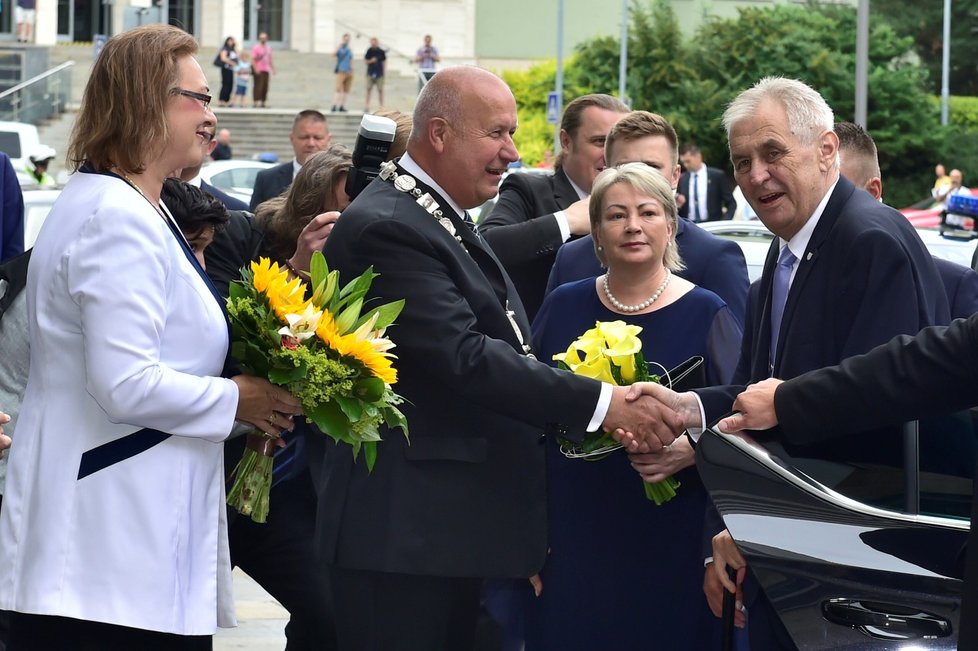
[623,56]
[560,71]
[862,61]
[946,64]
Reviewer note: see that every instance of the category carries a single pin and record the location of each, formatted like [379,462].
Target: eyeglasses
[200,97]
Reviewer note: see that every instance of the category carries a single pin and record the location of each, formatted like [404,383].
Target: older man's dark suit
[864,278]
[270,183]
[711,262]
[910,377]
[960,286]
[466,498]
[523,233]
[720,202]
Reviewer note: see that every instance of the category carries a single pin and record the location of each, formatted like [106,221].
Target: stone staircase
[303,81]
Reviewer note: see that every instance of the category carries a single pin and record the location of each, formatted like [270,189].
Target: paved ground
[261,620]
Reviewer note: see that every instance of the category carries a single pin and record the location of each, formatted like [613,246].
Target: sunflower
[363,350]
[284,296]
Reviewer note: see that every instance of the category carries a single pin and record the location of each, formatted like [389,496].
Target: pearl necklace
[621,307]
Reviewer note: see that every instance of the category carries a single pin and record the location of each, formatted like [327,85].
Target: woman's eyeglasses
[200,97]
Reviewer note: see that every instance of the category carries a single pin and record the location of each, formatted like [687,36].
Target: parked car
[235,177]
[755,239]
[752,236]
[851,556]
[926,213]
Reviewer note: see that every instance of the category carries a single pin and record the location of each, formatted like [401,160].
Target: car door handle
[885,621]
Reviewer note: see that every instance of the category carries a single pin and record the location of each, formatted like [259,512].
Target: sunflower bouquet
[611,352]
[326,349]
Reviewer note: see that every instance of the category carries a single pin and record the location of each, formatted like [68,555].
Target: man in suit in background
[536,213]
[222,150]
[711,262]
[410,543]
[310,134]
[858,162]
[844,274]
[703,194]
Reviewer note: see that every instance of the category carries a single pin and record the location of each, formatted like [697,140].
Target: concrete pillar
[45,22]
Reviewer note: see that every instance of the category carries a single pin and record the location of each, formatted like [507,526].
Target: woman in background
[317,194]
[229,66]
[114,525]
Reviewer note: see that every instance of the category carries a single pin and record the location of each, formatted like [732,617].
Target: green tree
[818,47]
[691,81]
[924,23]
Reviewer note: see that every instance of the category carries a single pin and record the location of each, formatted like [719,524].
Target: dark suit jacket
[720,202]
[11,211]
[271,183]
[221,152]
[961,287]
[229,202]
[466,498]
[909,377]
[523,233]
[712,262]
[864,278]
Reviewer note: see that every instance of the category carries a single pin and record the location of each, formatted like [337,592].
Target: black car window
[886,469]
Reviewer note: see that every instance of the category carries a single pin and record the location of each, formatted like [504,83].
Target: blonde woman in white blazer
[112,531]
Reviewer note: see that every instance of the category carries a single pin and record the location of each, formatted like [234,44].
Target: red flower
[290,342]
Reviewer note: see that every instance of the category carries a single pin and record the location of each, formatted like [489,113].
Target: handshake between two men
[647,417]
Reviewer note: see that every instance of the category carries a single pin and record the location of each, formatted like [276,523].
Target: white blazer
[124,335]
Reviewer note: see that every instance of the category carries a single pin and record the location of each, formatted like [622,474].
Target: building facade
[463,30]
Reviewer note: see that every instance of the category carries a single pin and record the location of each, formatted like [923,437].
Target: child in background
[243,77]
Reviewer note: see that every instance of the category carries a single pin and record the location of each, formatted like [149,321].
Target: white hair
[808,113]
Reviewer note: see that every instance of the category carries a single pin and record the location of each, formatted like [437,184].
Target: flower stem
[252,481]
[661,491]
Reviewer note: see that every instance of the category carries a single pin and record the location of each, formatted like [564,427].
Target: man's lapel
[820,236]
[564,192]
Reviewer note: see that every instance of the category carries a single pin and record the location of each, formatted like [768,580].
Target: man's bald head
[462,132]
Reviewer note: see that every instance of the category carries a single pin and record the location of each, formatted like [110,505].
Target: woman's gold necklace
[138,189]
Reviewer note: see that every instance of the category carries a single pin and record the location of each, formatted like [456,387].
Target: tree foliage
[923,22]
[691,81]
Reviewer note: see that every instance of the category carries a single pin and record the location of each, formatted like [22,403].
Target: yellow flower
[597,367]
[365,345]
[622,344]
[284,296]
[326,330]
[263,272]
[607,342]
[378,363]
[586,357]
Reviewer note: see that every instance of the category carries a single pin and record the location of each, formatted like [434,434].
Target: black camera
[374,141]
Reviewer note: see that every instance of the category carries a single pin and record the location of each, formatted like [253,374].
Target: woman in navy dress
[599,590]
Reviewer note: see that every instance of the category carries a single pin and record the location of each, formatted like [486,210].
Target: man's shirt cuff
[601,410]
[562,225]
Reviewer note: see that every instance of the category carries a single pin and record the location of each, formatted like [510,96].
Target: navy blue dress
[623,573]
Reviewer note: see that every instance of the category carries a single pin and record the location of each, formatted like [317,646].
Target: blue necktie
[696,208]
[289,461]
[779,296]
